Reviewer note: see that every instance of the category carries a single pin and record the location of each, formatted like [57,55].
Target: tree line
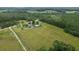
[69,22]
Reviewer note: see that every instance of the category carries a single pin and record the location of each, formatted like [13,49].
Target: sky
[39,3]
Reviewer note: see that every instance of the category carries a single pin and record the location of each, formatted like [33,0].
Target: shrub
[61,46]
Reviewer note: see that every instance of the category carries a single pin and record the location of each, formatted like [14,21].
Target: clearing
[44,36]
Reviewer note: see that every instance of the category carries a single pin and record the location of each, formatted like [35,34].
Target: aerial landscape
[39,29]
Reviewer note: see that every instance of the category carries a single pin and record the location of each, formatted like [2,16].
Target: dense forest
[69,22]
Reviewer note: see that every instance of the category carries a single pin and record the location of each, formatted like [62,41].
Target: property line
[17,37]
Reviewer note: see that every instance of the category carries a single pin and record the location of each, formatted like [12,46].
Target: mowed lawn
[8,42]
[44,36]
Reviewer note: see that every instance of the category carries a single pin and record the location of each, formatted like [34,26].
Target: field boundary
[17,37]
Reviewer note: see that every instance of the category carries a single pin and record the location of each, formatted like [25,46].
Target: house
[35,24]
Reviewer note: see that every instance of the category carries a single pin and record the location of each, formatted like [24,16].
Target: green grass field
[8,42]
[44,36]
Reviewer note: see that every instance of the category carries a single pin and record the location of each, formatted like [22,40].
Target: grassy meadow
[44,36]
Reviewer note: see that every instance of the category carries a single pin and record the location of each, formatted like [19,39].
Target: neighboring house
[30,24]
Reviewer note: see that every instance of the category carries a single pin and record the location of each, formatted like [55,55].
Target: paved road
[17,37]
